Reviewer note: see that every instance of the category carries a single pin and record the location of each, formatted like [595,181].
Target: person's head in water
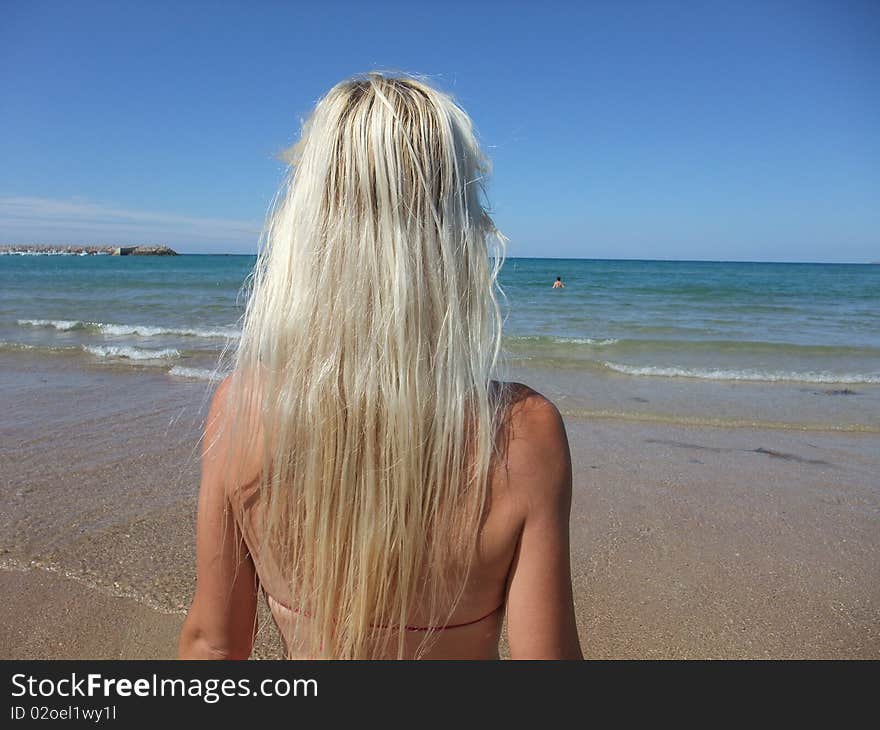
[558,283]
[371,335]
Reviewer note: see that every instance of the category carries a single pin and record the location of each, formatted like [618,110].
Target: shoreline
[184,353]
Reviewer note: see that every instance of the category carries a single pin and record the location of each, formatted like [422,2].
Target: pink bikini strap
[299,612]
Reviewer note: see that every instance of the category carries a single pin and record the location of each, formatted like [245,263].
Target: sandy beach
[687,542]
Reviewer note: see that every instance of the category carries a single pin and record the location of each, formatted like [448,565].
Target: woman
[360,467]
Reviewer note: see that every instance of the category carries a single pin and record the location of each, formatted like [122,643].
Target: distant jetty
[33,249]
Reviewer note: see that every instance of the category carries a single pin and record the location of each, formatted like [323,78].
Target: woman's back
[529,502]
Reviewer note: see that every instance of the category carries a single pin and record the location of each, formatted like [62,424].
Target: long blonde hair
[369,341]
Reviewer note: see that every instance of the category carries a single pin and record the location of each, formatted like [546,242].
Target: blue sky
[736,130]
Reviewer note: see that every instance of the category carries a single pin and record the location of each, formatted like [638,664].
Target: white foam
[5,345]
[128,329]
[64,325]
[16,346]
[586,341]
[141,330]
[772,376]
[131,353]
[181,371]
[569,340]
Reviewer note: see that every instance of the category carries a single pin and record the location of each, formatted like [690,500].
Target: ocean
[643,339]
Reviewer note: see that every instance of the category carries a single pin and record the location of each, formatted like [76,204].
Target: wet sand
[686,541]
[53,617]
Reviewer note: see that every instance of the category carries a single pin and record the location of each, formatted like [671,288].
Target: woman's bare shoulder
[528,414]
[232,437]
[216,422]
[233,394]
[537,455]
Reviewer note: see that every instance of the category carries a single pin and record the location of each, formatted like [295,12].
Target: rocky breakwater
[144,251]
[27,249]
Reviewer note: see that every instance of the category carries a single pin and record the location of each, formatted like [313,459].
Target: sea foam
[25,347]
[181,371]
[587,341]
[150,331]
[592,341]
[771,376]
[64,325]
[141,330]
[131,353]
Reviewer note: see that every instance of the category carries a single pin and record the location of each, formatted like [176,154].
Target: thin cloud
[78,221]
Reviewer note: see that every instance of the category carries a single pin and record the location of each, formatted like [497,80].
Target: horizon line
[601,258]
[506,258]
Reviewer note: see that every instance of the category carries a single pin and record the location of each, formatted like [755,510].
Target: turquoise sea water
[725,321]
[757,322]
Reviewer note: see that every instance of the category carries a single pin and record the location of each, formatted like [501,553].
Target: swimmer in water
[558,283]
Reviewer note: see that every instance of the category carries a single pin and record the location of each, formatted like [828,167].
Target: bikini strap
[299,612]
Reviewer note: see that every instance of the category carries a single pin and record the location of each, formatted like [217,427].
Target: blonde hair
[363,375]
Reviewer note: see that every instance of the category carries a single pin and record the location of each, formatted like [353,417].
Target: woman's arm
[221,622]
[540,608]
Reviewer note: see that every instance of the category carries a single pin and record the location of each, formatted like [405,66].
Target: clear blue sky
[736,130]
